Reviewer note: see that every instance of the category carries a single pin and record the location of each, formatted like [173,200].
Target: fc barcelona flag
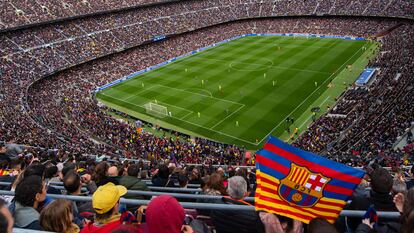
[301,185]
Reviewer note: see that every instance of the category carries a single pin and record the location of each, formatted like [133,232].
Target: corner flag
[301,185]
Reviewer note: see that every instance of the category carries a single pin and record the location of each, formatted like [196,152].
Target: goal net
[156,109]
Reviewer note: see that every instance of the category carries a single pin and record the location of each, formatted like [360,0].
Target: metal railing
[147,182]
[209,206]
[150,193]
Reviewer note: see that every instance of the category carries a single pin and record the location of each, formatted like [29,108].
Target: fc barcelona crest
[302,187]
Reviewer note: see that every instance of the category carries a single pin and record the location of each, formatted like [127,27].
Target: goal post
[156,109]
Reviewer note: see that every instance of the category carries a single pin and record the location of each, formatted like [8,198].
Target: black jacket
[228,221]
[390,227]
[381,202]
[162,182]
[106,180]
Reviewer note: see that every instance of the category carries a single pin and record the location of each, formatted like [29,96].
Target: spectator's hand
[86,221]
[271,223]
[399,201]
[86,178]
[15,172]
[297,226]
[186,229]
[366,221]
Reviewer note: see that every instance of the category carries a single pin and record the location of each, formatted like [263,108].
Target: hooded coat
[164,214]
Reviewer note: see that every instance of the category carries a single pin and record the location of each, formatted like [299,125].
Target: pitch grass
[263,80]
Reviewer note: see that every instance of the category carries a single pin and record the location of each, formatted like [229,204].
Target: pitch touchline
[186,121]
[320,105]
[270,66]
[308,97]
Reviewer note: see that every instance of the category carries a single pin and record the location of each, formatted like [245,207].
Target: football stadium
[202,116]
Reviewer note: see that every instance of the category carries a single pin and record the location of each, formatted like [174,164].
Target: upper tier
[17,13]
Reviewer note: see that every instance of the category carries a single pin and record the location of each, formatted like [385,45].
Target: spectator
[13,150]
[195,177]
[101,175]
[57,216]
[113,171]
[69,166]
[51,172]
[162,177]
[73,185]
[165,214]
[131,182]
[215,185]
[59,177]
[35,170]
[182,180]
[410,183]
[30,192]
[3,155]
[6,219]
[405,205]
[203,183]
[381,186]
[105,202]
[398,186]
[241,221]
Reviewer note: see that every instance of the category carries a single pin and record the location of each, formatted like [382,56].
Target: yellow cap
[106,196]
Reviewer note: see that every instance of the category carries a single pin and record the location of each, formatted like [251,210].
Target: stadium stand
[17,13]
[55,53]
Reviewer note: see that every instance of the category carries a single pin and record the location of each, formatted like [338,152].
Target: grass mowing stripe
[310,95]
[257,103]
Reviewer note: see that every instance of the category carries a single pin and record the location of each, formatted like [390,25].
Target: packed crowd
[18,13]
[85,118]
[59,112]
[105,182]
[68,109]
[42,50]
[59,117]
[375,116]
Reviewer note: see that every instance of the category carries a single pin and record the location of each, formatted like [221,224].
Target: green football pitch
[242,91]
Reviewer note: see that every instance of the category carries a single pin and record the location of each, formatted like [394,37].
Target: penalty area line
[189,122]
[218,123]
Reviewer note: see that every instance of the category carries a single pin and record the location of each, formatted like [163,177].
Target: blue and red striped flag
[301,185]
